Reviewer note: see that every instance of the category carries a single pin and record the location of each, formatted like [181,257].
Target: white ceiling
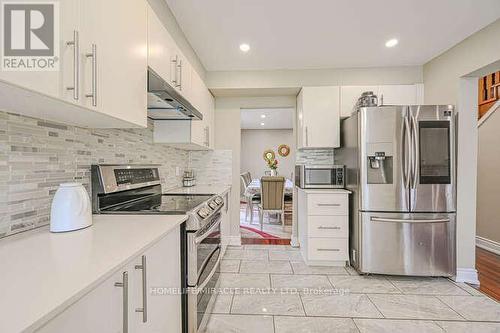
[299,34]
[276,118]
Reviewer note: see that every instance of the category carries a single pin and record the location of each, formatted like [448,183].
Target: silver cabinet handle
[329,250]
[144,308]
[93,55]
[179,66]
[328,205]
[124,285]
[174,64]
[328,228]
[382,219]
[76,65]
[307,137]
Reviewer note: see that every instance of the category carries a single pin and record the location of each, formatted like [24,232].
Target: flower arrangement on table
[272,164]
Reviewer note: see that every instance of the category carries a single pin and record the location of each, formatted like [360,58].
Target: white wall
[447,81]
[255,142]
[279,79]
[228,136]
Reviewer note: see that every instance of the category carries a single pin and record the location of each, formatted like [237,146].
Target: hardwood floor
[488,267]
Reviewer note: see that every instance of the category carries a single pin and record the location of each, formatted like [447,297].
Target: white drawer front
[327,204]
[328,226]
[328,249]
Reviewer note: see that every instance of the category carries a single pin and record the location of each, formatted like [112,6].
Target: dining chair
[272,201]
[249,200]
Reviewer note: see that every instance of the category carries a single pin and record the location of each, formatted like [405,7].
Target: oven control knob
[212,204]
[218,200]
[204,212]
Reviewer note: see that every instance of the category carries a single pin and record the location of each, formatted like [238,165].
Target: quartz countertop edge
[324,190]
[45,273]
[219,189]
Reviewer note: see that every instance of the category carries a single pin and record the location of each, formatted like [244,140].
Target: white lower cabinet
[142,296]
[323,220]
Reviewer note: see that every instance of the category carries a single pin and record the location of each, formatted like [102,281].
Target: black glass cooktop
[171,204]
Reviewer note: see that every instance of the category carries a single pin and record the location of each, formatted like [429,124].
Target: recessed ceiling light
[263,116]
[262,124]
[391,42]
[244,47]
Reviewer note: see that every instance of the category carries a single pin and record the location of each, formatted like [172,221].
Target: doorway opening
[267,164]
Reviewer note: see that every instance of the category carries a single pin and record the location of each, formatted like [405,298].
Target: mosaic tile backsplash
[37,155]
[315,156]
[212,167]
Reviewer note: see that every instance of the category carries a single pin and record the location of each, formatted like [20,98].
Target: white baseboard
[488,244]
[234,240]
[294,242]
[468,275]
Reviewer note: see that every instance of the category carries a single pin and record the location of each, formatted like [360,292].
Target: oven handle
[200,239]
[217,250]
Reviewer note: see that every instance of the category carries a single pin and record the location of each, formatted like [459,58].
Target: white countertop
[201,189]
[43,273]
[324,190]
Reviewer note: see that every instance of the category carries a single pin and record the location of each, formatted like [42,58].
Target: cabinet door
[300,122]
[184,76]
[404,94]
[349,96]
[118,29]
[101,310]
[163,283]
[161,50]
[53,83]
[321,116]
[211,119]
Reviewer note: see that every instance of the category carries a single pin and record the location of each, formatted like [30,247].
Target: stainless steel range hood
[165,103]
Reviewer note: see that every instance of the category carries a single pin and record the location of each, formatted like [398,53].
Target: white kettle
[71,208]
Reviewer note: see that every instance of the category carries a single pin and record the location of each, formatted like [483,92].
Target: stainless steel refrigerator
[401,167]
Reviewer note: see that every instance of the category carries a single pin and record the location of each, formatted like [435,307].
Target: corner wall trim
[468,275]
[488,244]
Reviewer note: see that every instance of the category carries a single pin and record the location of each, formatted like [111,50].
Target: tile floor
[269,289]
[270,226]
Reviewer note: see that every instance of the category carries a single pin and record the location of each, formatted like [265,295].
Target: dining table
[254,187]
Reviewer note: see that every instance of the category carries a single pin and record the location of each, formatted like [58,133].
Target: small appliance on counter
[71,208]
[320,176]
[189,179]
[368,98]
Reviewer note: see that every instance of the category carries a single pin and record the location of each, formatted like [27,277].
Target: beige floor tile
[471,290]
[300,267]
[396,326]
[427,286]
[220,323]
[285,255]
[469,327]
[222,304]
[229,265]
[363,284]
[351,270]
[474,307]
[234,280]
[413,307]
[270,304]
[314,325]
[261,266]
[352,305]
[302,283]
[244,254]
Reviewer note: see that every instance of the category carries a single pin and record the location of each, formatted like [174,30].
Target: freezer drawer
[407,244]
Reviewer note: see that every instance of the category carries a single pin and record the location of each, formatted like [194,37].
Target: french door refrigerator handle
[415,151]
[406,149]
[382,219]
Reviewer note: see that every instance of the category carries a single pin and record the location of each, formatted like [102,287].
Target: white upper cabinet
[101,80]
[402,94]
[395,94]
[318,114]
[114,58]
[54,83]
[349,96]
[161,49]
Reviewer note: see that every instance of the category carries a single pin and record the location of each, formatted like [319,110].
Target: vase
[274,172]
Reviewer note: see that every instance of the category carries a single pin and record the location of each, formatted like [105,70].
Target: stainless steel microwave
[320,176]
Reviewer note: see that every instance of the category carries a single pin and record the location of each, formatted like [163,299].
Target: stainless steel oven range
[136,189]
